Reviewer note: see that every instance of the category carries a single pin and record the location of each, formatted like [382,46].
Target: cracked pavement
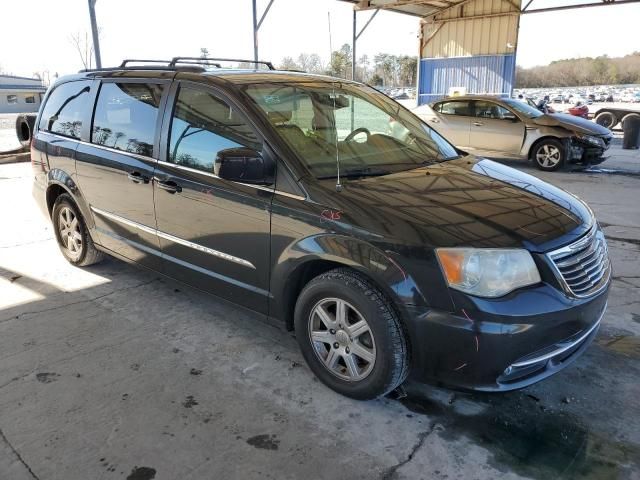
[115,372]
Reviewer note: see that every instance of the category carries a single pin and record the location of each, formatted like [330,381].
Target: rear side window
[492,110]
[461,108]
[126,115]
[66,108]
[202,126]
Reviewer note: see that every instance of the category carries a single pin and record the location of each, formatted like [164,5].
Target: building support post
[353,48]
[94,32]
[255,31]
[257,24]
[355,37]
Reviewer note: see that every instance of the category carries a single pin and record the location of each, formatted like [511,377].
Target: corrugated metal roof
[23,87]
[484,74]
[419,8]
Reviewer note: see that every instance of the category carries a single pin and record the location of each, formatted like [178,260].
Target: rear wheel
[606,119]
[548,154]
[72,235]
[350,335]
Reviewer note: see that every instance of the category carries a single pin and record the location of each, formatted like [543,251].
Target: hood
[465,202]
[571,122]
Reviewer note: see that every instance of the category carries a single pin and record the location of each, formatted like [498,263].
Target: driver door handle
[434,120]
[137,177]
[478,124]
[168,186]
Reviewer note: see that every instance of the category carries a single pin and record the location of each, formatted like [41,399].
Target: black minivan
[324,204]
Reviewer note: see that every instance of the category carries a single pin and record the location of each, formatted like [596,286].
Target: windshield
[523,108]
[365,131]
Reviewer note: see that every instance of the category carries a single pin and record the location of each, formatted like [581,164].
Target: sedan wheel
[548,155]
[342,339]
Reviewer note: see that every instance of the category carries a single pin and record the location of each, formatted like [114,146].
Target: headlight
[597,141]
[487,272]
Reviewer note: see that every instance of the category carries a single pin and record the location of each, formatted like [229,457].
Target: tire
[72,235]
[24,129]
[629,116]
[379,356]
[606,119]
[548,154]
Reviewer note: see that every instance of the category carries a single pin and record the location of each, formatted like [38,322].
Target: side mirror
[244,165]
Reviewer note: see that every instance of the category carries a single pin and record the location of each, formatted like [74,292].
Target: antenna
[335,126]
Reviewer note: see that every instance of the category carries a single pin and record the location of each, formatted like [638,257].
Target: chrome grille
[583,267]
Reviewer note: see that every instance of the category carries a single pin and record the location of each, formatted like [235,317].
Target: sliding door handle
[137,177]
[168,186]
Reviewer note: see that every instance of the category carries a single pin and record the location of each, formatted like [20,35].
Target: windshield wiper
[357,173]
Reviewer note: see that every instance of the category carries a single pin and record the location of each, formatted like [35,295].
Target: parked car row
[586,95]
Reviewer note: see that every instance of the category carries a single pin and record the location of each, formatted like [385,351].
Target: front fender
[347,251]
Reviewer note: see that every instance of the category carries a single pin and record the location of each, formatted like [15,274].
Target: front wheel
[350,335]
[548,155]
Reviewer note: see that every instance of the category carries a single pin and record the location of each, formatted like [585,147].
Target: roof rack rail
[137,60]
[208,60]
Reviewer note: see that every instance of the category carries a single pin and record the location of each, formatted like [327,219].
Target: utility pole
[94,32]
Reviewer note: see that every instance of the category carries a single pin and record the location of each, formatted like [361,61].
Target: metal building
[465,46]
[20,94]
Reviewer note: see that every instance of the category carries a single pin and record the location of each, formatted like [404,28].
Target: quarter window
[12,99]
[461,108]
[203,126]
[66,109]
[126,115]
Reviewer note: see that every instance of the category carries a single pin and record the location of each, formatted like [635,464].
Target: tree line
[582,72]
[383,69]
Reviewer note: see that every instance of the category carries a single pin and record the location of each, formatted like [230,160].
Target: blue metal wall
[484,74]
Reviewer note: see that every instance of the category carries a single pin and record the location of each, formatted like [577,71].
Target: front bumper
[584,152]
[503,344]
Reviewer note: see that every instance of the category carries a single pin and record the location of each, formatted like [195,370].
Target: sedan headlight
[487,272]
[590,139]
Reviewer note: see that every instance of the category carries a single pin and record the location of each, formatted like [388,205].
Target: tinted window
[492,110]
[30,99]
[66,109]
[12,99]
[202,126]
[454,108]
[126,115]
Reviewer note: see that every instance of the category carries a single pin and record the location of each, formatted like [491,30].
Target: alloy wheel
[548,156]
[69,229]
[342,339]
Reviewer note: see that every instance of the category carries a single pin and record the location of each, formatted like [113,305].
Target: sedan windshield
[367,133]
[523,108]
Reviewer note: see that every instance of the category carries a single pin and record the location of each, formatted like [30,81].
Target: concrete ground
[114,372]
[8,138]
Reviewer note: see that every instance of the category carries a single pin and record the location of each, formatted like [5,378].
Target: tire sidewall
[65,201]
[380,377]
[552,142]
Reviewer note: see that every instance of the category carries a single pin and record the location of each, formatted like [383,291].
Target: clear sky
[34,34]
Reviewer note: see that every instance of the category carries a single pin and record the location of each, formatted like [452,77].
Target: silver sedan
[506,128]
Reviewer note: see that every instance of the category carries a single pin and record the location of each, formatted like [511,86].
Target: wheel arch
[306,259]
[541,139]
[60,182]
